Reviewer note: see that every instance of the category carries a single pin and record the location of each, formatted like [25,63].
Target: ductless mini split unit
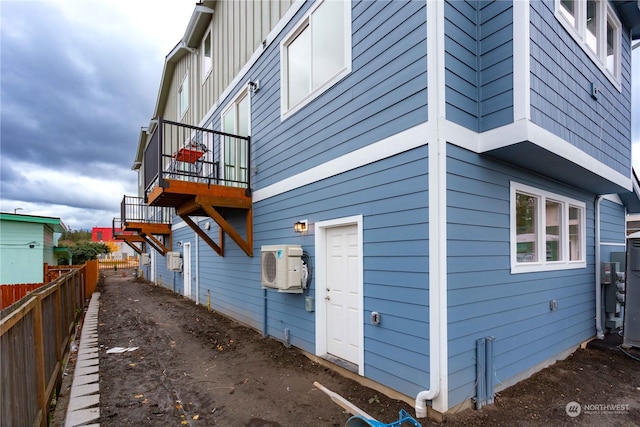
[281,268]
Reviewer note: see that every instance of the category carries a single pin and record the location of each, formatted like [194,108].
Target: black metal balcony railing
[134,209]
[182,152]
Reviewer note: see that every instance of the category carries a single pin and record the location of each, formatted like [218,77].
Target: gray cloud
[68,95]
[75,89]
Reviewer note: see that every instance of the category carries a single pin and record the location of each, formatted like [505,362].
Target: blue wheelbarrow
[404,420]
[361,418]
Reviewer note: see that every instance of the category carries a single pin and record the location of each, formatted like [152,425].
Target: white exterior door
[343,298]
[186,269]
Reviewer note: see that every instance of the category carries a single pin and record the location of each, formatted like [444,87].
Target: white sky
[79,78]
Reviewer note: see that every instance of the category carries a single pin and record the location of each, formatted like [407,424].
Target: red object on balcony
[188,155]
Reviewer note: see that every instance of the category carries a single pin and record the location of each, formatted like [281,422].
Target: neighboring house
[109,236]
[459,171]
[27,242]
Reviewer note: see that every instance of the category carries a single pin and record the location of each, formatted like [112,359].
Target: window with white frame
[206,55]
[315,55]
[236,121]
[183,96]
[547,230]
[595,26]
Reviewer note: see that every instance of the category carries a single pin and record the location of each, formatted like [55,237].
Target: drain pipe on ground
[599,332]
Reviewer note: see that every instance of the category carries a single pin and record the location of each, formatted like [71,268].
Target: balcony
[140,223]
[200,172]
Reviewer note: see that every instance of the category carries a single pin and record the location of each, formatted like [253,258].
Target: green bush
[86,251]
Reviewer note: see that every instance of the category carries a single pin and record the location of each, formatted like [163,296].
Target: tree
[86,251]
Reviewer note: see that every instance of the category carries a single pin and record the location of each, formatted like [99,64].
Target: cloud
[79,79]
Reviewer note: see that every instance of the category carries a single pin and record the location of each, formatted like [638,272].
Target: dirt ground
[196,368]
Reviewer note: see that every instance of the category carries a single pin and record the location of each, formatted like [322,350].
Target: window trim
[542,264]
[206,71]
[183,111]
[233,104]
[305,22]
[578,31]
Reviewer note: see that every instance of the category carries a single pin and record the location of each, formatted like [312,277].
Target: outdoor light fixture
[254,86]
[301,226]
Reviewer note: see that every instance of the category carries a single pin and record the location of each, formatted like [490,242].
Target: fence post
[38,345]
[59,349]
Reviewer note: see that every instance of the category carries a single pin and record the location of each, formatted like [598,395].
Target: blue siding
[384,94]
[612,229]
[561,75]
[392,197]
[479,64]
[485,299]
[612,222]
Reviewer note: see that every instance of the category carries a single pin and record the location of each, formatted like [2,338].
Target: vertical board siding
[384,94]
[561,77]
[479,63]
[485,299]
[238,29]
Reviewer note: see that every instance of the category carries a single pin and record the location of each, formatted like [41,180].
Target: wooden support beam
[204,236]
[245,245]
[134,247]
[156,244]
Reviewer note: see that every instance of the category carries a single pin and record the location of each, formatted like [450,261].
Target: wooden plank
[134,247]
[204,236]
[342,402]
[228,228]
[157,244]
[17,315]
[221,195]
[38,344]
[149,228]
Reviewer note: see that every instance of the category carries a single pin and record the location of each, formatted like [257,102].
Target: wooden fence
[35,334]
[12,293]
[111,264]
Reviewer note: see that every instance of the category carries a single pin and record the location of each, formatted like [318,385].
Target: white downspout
[197,241]
[437,216]
[599,332]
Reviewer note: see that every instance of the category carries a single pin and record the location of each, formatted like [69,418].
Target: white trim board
[525,130]
[388,147]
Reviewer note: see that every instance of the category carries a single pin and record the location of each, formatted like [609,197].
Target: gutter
[598,288]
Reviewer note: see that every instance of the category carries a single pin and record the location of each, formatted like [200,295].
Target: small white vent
[281,268]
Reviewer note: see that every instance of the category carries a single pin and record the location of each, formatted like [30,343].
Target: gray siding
[561,75]
[485,299]
[479,63]
[238,29]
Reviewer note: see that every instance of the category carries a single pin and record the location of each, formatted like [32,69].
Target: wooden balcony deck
[177,193]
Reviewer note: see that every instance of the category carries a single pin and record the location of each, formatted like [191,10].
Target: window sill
[540,267]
